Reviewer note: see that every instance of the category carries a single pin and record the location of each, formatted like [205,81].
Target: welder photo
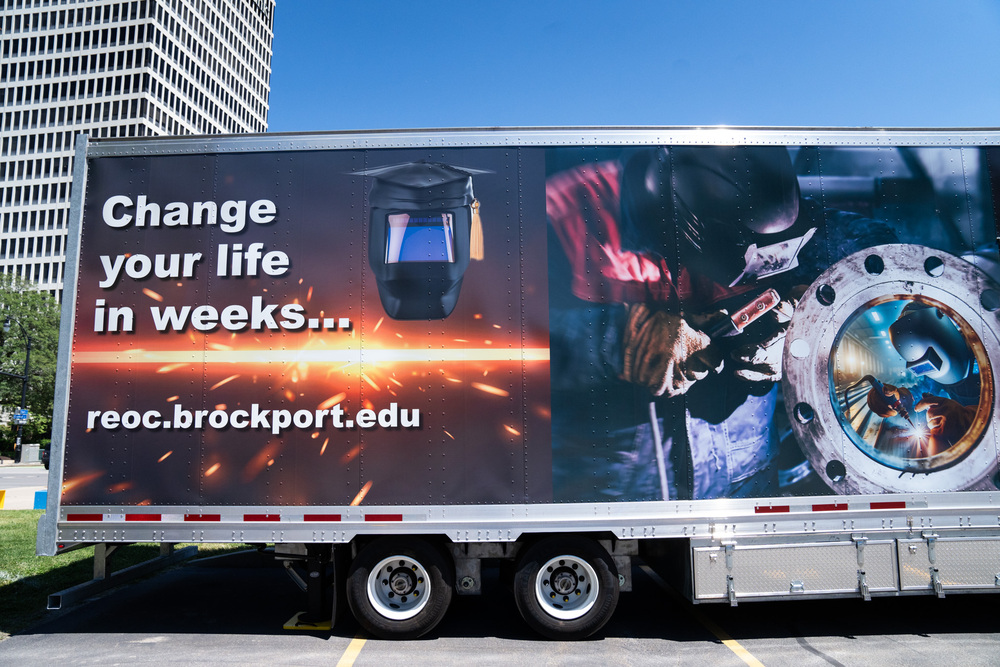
[914,405]
[674,273]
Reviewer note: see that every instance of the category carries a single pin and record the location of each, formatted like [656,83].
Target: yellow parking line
[709,624]
[352,651]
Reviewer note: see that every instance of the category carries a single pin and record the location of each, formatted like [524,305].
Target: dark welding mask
[424,228]
[727,212]
[931,344]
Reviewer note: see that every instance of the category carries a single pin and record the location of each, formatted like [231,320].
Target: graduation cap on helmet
[424,228]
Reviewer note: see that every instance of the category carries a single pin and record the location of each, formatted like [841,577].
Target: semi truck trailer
[767,357]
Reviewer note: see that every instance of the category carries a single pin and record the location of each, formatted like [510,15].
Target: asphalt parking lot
[231,609]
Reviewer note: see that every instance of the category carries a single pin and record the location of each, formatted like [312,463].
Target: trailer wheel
[399,588]
[566,587]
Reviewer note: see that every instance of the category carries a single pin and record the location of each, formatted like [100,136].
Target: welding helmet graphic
[423,230]
[728,211]
[931,344]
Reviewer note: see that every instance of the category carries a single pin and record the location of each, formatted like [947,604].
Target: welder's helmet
[710,204]
[931,344]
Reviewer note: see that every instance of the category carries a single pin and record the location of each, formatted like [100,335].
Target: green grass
[26,580]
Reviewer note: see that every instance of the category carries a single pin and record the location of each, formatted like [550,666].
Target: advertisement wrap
[525,325]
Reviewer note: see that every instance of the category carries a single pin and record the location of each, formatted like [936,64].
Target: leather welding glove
[946,418]
[761,361]
[664,353]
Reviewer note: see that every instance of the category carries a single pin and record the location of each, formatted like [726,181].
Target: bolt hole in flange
[990,300]
[874,265]
[826,295]
[898,364]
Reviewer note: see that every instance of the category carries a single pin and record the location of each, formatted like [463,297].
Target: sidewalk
[23,499]
[18,496]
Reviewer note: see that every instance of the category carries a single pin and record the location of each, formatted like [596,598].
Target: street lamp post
[23,378]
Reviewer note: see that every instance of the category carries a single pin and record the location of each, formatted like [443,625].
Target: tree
[37,313]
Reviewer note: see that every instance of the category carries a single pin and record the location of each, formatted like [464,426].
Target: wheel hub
[398,587]
[566,587]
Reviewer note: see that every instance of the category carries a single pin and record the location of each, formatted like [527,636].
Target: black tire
[566,587]
[399,588]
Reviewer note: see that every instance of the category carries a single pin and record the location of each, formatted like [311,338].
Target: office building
[113,68]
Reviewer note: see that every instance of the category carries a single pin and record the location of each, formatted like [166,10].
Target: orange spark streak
[169,367]
[220,406]
[151,294]
[222,382]
[368,405]
[332,401]
[290,395]
[309,294]
[323,448]
[350,454]
[511,430]
[396,382]
[163,458]
[378,324]
[220,346]
[371,382]
[80,481]
[448,434]
[361,494]
[173,398]
[456,380]
[211,470]
[496,391]
[122,486]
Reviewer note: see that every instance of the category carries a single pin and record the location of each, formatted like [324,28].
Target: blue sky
[345,65]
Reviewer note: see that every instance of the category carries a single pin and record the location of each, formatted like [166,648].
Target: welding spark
[173,398]
[151,294]
[396,382]
[169,367]
[220,406]
[448,434]
[350,454]
[220,346]
[371,382]
[163,458]
[496,391]
[212,469]
[323,448]
[361,494]
[511,430]
[80,481]
[332,401]
[378,324]
[222,382]
[309,294]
